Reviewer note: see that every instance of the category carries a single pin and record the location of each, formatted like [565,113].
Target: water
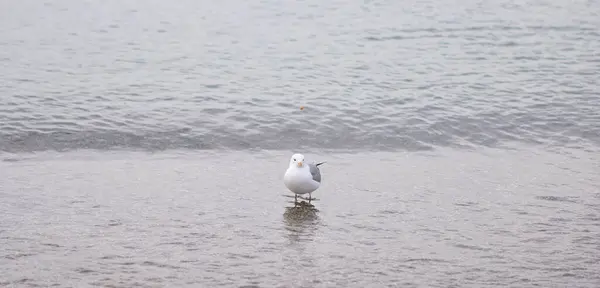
[178,219]
[145,144]
[232,76]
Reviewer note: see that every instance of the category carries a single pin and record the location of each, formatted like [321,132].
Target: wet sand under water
[488,218]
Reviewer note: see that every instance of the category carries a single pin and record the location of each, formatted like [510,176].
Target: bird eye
[294,159]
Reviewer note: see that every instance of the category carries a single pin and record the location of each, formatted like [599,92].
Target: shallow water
[145,144]
[443,219]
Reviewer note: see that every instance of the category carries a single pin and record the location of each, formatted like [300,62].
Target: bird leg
[296,198]
[309,197]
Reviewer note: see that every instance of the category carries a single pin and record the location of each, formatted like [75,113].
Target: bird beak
[299,164]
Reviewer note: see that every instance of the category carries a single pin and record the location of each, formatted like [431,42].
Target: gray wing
[314,170]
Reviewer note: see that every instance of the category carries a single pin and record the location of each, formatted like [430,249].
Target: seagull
[302,178]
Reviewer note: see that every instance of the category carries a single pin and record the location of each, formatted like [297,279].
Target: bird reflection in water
[301,221]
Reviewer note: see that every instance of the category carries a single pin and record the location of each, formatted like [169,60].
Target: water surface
[144,143]
[379,75]
[451,219]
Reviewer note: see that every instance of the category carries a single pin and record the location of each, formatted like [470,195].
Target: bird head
[297,160]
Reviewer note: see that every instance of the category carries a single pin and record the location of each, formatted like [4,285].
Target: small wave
[556,198]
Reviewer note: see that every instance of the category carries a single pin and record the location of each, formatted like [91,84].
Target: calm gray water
[144,143]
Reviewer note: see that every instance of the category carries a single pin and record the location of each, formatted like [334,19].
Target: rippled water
[232,75]
[461,141]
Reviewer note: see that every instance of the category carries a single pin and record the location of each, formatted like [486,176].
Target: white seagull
[302,178]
